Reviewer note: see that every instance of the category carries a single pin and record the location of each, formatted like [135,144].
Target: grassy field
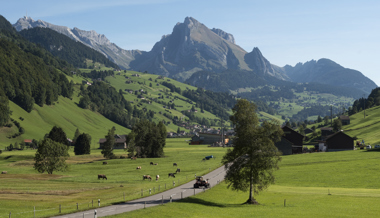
[304,180]
[80,184]
[64,113]
[365,128]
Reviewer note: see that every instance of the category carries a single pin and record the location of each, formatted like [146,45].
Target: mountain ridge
[193,47]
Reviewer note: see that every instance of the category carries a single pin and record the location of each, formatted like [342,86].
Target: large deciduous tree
[254,157]
[51,156]
[107,149]
[82,145]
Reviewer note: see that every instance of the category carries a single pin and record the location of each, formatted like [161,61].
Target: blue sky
[286,32]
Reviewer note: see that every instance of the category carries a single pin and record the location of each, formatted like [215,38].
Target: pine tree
[82,145]
[108,145]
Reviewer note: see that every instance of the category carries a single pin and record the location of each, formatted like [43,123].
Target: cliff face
[189,48]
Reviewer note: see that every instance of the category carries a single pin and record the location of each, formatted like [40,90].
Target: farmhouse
[345,120]
[291,142]
[339,141]
[325,131]
[206,138]
[120,142]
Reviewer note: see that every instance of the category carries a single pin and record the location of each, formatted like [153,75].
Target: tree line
[104,99]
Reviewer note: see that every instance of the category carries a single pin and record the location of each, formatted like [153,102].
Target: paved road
[177,193]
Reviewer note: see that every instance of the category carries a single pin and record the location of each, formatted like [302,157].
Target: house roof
[28,140]
[327,128]
[343,117]
[337,133]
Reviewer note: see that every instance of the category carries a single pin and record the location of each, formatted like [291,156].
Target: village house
[339,141]
[291,142]
[345,120]
[206,138]
[120,142]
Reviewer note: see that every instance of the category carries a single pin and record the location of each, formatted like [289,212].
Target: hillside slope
[59,45]
[64,113]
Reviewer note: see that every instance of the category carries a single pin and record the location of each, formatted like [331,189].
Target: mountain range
[192,47]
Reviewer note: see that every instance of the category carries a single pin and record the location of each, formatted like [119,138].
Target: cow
[174,164]
[147,177]
[171,175]
[4,172]
[102,176]
[104,163]
[178,170]
[157,177]
[151,163]
[133,158]
[138,168]
[156,164]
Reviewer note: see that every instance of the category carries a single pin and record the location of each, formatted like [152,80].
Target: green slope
[66,114]
[365,128]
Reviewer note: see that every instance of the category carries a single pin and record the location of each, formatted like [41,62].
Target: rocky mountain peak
[227,36]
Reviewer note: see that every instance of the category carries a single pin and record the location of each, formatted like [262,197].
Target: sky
[285,31]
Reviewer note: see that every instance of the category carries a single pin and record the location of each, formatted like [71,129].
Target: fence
[40,211]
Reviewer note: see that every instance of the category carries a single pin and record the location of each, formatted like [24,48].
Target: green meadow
[23,188]
[330,184]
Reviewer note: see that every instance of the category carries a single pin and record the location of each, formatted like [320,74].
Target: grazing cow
[171,175]
[133,158]
[174,164]
[147,177]
[156,164]
[102,176]
[178,170]
[104,163]
[151,163]
[4,172]
[138,168]
[157,177]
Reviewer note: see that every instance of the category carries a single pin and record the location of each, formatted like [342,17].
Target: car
[368,147]
[377,146]
[201,182]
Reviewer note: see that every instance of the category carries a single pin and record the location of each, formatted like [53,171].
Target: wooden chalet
[206,138]
[291,142]
[339,141]
[120,142]
[345,120]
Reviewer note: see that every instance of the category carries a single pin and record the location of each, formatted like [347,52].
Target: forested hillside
[29,74]
[76,53]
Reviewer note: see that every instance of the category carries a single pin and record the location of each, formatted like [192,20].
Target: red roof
[28,140]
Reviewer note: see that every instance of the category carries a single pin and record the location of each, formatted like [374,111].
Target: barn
[294,138]
[339,141]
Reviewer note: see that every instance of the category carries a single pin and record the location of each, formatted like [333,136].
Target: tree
[108,144]
[76,134]
[319,119]
[51,156]
[58,135]
[337,125]
[82,145]
[301,130]
[326,120]
[250,164]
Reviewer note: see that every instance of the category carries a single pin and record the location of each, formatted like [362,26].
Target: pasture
[23,188]
[304,180]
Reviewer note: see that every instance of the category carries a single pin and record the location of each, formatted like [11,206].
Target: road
[182,191]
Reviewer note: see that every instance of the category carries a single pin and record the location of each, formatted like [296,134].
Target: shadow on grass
[373,149]
[207,203]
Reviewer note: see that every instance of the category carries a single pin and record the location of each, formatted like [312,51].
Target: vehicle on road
[199,182]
